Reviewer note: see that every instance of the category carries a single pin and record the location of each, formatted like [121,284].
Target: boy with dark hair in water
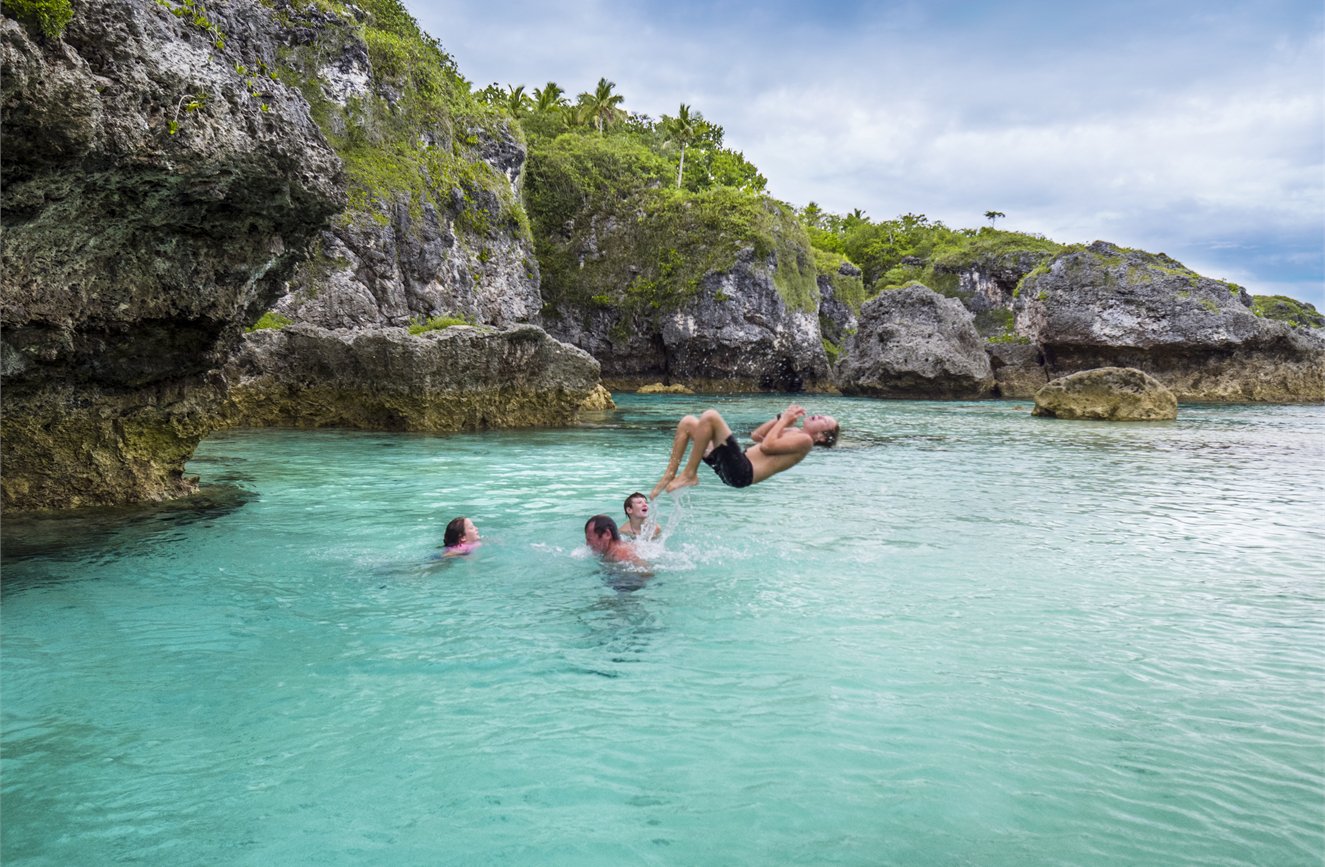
[637,511]
[779,445]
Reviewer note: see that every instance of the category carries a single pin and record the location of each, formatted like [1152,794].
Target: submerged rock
[158,193]
[1104,306]
[914,343]
[1107,394]
[459,378]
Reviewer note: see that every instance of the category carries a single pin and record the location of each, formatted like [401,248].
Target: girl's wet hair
[455,531]
[830,437]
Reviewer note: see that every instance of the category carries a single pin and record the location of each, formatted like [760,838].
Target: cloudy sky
[1188,127]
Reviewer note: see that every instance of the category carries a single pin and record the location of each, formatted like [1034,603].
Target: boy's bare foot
[683,481]
[662,483]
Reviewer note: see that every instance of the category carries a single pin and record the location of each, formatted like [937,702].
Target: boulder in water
[1107,394]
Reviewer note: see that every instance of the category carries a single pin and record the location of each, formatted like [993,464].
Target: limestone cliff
[434,226]
[434,234]
[1048,310]
[159,187]
[1105,306]
[460,378]
[914,343]
[717,289]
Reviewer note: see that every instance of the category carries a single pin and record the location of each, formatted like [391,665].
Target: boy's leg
[684,432]
[709,430]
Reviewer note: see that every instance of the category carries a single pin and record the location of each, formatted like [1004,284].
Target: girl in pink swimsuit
[461,537]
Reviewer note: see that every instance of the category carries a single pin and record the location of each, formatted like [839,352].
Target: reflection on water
[965,635]
[118,529]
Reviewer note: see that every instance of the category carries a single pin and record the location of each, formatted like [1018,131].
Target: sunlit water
[967,636]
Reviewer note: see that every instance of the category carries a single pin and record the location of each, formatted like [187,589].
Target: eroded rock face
[914,343]
[1105,306]
[460,378]
[1018,369]
[153,206]
[367,274]
[736,334]
[1107,394]
[836,320]
[431,230]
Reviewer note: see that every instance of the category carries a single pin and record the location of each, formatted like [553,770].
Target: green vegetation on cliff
[46,17]
[631,214]
[1284,309]
[913,248]
[850,290]
[270,319]
[414,134]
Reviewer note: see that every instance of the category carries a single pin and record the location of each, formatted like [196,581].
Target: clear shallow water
[967,636]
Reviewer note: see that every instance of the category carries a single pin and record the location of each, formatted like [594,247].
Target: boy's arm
[793,441]
[774,426]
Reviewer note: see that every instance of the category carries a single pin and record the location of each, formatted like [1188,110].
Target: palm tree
[516,99]
[681,130]
[812,215]
[549,97]
[991,216]
[602,106]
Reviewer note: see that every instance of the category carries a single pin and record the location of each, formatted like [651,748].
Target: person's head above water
[600,532]
[637,506]
[823,429]
[604,538]
[460,531]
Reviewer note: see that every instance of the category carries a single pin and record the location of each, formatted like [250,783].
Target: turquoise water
[967,636]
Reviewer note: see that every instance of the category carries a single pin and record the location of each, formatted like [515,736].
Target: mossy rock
[659,388]
[1107,394]
[1281,308]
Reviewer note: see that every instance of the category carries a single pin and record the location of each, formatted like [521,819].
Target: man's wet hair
[830,437]
[601,524]
[455,531]
[626,505]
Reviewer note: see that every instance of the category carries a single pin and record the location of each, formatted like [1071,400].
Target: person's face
[471,532]
[639,508]
[600,542]
[814,425]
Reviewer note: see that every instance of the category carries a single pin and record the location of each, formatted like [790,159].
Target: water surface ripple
[966,636]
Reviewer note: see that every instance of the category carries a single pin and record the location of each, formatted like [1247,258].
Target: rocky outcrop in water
[159,187]
[1104,306]
[458,378]
[1107,394]
[434,231]
[914,343]
[736,334]
[1018,368]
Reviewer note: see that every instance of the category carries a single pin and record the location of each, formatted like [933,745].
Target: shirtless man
[601,535]
[779,445]
[637,511]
